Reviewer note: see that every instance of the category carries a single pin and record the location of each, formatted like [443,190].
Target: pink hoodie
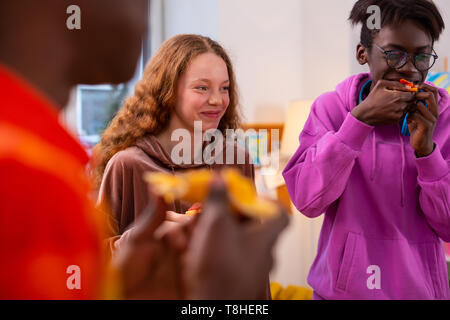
[385,210]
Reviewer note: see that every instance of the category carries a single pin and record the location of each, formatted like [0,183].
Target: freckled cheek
[192,106]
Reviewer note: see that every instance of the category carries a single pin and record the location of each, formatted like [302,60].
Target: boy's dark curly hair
[395,12]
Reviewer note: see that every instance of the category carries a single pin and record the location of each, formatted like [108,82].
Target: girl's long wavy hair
[148,110]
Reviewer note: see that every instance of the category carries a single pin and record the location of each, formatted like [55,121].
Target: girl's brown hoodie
[124,190]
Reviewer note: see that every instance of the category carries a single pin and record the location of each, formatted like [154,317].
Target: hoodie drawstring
[403,154]
[374,155]
[402,144]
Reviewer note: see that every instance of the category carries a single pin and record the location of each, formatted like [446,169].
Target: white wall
[192,16]
[443,46]
[264,39]
[328,47]
[68,117]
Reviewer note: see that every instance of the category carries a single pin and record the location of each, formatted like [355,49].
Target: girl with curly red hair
[189,79]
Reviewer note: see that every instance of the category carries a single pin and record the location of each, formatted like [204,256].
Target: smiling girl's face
[202,93]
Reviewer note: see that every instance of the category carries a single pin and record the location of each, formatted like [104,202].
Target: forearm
[317,176]
[434,180]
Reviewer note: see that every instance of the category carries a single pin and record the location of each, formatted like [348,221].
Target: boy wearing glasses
[385,194]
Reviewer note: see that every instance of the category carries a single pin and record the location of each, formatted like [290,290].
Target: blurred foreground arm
[211,257]
[228,259]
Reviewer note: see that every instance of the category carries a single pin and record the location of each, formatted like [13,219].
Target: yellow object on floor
[290,292]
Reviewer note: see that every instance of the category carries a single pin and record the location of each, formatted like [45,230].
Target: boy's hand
[386,104]
[422,120]
[150,261]
[209,256]
[228,259]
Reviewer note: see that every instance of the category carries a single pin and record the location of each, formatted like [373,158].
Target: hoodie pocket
[438,276]
[376,268]
[347,261]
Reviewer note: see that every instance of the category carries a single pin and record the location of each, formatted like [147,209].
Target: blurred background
[285,54]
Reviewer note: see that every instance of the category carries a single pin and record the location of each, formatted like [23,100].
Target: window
[97,105]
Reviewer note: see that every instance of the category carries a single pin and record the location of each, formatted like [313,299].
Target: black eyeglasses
[396,59]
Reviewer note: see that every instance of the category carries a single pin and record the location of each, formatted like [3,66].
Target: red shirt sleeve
[49,249]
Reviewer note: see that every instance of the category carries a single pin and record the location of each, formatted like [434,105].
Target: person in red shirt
[50,233]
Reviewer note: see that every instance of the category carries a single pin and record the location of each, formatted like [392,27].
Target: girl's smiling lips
[211,114]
